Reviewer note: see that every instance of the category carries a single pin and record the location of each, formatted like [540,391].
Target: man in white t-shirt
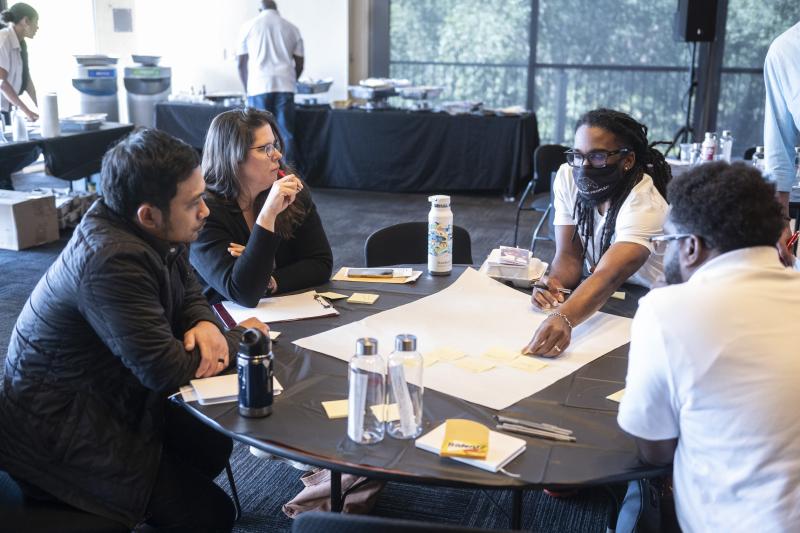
[609,201]
[714,366]
[270,54]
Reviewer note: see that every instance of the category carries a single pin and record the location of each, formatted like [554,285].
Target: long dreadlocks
[633,135]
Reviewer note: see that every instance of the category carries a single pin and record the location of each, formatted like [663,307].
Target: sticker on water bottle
[440,238]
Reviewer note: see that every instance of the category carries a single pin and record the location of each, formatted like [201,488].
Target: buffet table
[392,150]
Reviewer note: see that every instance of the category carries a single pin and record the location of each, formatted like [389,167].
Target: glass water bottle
[404,388]
[366,393]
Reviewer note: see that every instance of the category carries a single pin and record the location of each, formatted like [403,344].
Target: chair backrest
[407,243]
[318,522]
[22,514]
[546,160]
[748,154]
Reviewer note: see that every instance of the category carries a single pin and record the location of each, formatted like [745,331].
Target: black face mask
[596,185]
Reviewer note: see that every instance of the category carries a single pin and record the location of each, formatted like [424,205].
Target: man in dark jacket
[116,324]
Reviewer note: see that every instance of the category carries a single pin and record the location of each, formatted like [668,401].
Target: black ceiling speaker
[696,20]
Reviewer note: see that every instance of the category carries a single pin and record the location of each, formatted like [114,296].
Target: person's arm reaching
[12,96]
[620,262]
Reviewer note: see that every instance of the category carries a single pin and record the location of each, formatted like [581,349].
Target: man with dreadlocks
[609,199]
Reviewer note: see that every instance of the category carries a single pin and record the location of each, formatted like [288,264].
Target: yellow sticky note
[429,360]
[619,295]
[617,396]
[527,364]
[471,364]
[274,334]
[498,353]
[362,298]
[465,438]
[444,354]
[390,414]
[335,408]
[332,295]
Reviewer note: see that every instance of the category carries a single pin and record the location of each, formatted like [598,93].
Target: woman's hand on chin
[281,196]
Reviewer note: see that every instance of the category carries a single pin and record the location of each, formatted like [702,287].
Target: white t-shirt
[270,43]
[11,62]
[640,217]
[715,363]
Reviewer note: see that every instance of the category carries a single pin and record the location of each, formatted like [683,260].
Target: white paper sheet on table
[474,314]
[281,308]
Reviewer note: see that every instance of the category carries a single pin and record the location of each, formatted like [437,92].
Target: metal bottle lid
[405,343]
[254,343]
[367,346]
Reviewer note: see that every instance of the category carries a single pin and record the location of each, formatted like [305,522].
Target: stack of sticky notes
[362,298]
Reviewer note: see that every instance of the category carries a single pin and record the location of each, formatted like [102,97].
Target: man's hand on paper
[551,339]
[213,348]
[547,299]
[253,322]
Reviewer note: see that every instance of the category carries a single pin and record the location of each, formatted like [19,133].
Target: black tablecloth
[72,155]
[300,430]
[392,150]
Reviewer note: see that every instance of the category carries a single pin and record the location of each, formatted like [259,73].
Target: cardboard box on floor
[26,220]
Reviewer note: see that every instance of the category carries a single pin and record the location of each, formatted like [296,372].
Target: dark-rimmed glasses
[269,148]
[660,242]
[596,158]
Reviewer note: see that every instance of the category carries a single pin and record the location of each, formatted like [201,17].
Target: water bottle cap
[367,346]
[405,343]
[254,343]
[439,200]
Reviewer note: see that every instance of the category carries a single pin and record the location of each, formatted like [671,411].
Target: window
[751,26]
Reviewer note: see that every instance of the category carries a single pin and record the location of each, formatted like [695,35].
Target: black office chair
[546,160]
[407,243]
[18,513]
[317,522]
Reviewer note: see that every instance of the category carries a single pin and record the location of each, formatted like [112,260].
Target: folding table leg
[516,508]
[336,491]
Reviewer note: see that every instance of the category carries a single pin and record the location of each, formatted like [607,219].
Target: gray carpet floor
[349,217]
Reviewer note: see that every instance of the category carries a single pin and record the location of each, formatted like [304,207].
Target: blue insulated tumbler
[254,363]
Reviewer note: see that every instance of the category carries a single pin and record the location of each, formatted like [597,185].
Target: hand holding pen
[548,292]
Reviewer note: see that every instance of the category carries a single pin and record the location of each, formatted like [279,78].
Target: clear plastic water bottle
[709,147]
[440,236]
[758,158]
[19,128]
[726,145]
[404,387]
[695,154]
[366,395]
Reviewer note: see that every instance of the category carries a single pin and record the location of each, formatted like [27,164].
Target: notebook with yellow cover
[502,448]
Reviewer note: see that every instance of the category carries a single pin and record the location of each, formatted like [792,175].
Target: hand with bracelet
[552,337]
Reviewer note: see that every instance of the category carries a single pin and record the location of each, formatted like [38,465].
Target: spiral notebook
[502,449]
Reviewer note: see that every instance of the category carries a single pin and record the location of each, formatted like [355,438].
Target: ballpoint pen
[792,239]
[546,288]
[535,425]
[535,432]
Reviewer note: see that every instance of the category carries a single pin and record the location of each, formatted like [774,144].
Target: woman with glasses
[264,234]
[609,200]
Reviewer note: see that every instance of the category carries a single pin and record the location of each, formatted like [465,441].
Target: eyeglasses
[596,158]
[269,148]
[660,242]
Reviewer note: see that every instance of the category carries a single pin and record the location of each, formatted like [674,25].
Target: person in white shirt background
[270,55]
[782,121]
[713,367]
[609,199]
[22,22]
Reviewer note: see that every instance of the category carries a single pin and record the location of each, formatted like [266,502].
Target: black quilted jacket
[94,354]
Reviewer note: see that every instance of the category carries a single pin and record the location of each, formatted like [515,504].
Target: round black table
[299,429]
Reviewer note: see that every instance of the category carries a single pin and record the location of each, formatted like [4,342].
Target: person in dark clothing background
[115,325]
[264,235]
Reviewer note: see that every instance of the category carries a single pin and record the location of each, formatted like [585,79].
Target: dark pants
[15,160]
[282,106]
[185,497]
